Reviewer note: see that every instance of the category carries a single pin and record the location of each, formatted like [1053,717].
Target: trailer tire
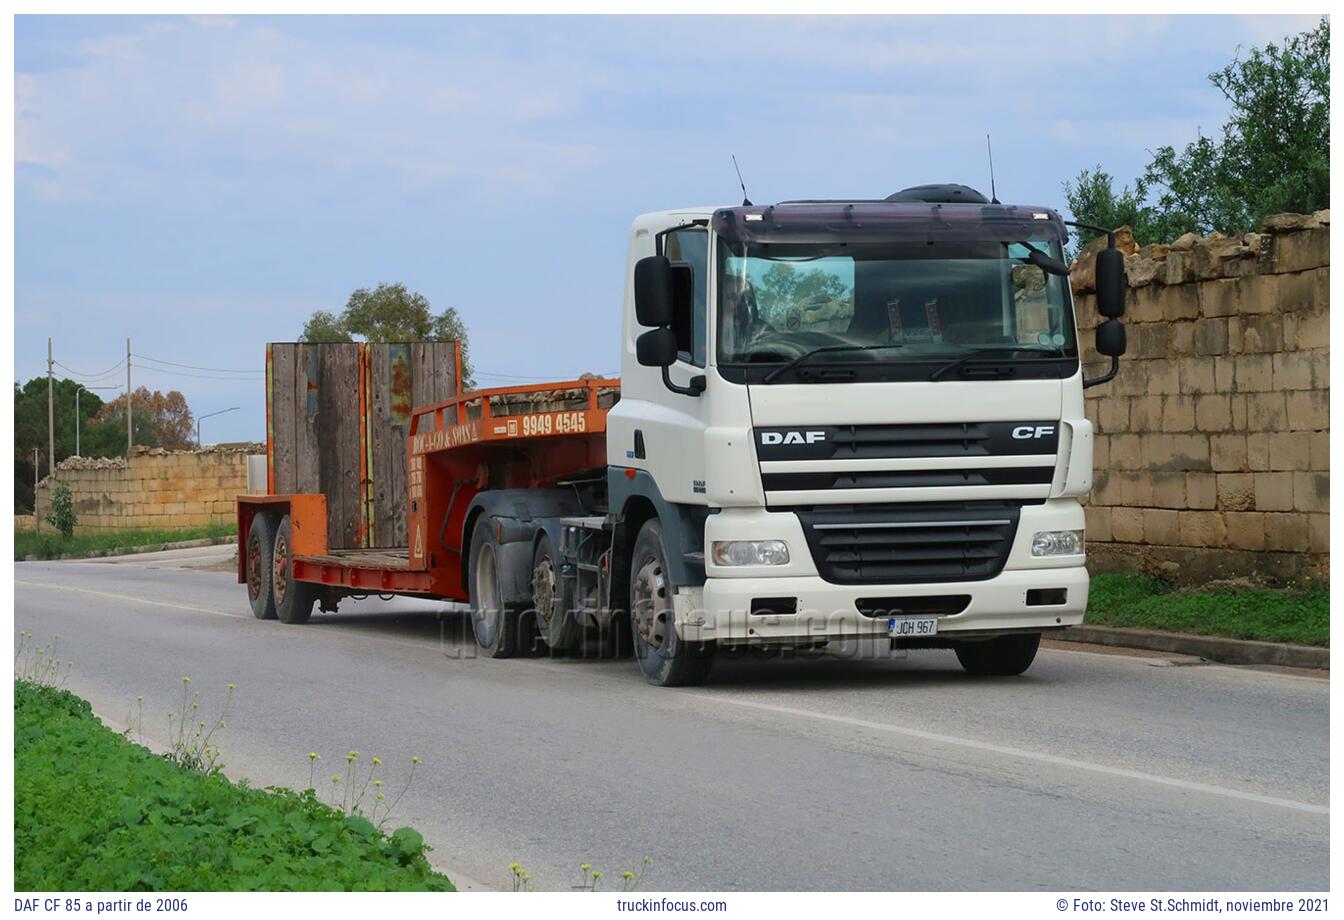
[666,659]
[293,599]
[1005,656]
[551,599]
[258,563]
[494,623]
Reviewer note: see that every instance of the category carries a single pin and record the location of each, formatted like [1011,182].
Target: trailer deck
[503,437]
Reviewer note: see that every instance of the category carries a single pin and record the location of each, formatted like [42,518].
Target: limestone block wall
[158,489]
[1212,444]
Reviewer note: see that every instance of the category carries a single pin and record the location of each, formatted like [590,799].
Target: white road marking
[1053,759]
[131,598]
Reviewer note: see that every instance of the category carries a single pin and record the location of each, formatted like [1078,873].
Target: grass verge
[94,812]
[51,545]
[1297,615]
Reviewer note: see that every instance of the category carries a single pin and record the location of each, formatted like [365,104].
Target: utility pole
[51,416]
[128,400]
[37,518]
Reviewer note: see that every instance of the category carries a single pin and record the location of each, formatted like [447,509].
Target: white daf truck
[836,420]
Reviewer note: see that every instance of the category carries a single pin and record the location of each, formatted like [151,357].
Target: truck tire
[665,658]
[494,622]
[260,550]
[551,600]
[293,599]
[1005,656]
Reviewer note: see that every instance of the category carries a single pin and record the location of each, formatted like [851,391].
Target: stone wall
[167,490]
[1212,443]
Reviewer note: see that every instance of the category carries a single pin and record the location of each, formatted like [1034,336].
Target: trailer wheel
[551,599]
[494,622]
[1005,656]
[293,599]
[666,659]
[260,549]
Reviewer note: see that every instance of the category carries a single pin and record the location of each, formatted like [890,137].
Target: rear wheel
[551,599]
[259,554]
[494,622]
[293,599]
[666,659]
[1006,656]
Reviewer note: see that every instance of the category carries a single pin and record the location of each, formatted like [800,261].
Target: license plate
[906,627]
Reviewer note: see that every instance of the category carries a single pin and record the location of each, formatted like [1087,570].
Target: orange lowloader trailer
[467,458]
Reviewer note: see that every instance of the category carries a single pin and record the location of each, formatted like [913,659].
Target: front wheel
[1005,656]
[666,659]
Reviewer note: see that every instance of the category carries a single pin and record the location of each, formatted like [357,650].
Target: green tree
[30,429]
[783,286]
[390,313]
[1272,155]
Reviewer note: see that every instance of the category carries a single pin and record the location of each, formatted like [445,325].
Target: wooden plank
[348,445]
[394,438]
[282,405]
[307,419]
[422,374]
[445,370]
[338,437]
[381,437]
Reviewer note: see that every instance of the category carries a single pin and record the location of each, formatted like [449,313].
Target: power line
[194,367]
[175,373]
[111,370]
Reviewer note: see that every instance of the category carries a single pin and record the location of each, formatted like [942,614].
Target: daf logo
[1022,432]
[792,437]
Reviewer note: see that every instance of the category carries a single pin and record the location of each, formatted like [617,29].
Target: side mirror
[657,347]
[1111,284]
[654,292]
[1111,338]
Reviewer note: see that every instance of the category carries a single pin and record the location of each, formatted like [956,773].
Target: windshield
[892,302]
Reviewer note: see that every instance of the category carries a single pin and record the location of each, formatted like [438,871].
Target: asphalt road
[1092,772]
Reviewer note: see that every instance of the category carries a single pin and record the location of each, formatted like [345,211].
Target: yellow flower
[377,761]
[335,778]
[232,687]
[415,760]
[377,783]
[627,875]
[186,680]
[312,755]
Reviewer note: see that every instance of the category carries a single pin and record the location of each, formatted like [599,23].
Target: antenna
[993,192]
[746,202]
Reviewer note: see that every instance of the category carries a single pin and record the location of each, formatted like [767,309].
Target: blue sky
[202,184]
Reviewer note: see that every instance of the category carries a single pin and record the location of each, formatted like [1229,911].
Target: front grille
[910,543]
[906,479]
[939,439]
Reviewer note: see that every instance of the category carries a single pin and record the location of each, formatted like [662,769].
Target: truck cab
[848,419]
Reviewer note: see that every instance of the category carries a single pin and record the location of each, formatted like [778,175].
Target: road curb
[1213,648]
[135,550]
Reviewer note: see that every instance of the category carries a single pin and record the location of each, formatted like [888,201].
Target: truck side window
[692,247]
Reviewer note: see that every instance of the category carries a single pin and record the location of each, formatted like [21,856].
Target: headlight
[1057,543]
[750,552]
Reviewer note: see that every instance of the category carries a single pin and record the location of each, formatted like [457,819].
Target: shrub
[62,513]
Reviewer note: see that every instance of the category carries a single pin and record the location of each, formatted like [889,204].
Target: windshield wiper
[983,353]
[825,348]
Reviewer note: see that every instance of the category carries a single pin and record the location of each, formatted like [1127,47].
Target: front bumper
[721,610]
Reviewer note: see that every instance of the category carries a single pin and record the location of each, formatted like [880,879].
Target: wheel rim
[487,595]
[543,590]
[648,605]
[281,568]
[253,566]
